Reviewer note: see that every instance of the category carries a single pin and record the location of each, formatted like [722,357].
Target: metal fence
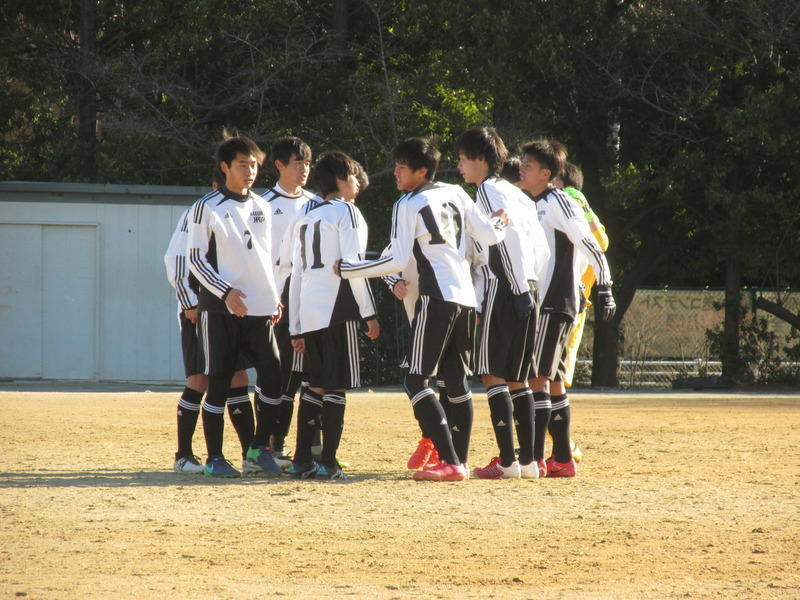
[663,336]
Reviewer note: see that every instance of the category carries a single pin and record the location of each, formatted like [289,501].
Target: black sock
[188,412]
[213,427]
[240,412]
[267,410]
[307,419]
[559,428]
[333,405]
[543,407]
[283,422]
[430,414]
[502,419]
[522,400]
[443,400]
[460,419]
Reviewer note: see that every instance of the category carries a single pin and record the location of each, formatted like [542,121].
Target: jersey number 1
[315,246]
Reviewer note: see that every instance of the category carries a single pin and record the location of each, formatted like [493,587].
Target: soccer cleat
[577,453]
[495,470]
[433,460]
[260,461]
[219,467]
[316,454]
[529,471]
[421,455]
[557,469]
[542,464]
[442,472]
[188,464]
[326,472]
[465,466]
[282,459]
[306,470]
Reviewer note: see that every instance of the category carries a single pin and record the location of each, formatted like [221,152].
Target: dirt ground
[678,496]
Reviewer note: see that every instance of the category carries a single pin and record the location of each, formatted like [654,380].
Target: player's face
[408,179]
[473,170]
[533,177]
[349,189]
[240,175]
[295,173]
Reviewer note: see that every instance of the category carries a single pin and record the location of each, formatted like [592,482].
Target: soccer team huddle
[495,287]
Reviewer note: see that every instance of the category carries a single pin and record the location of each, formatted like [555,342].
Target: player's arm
[177,267]
[484,228]
[200,232]
[353,243]
[402,241]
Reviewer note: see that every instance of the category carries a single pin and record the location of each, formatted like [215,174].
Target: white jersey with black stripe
[283,262]
[571,244]
[285,208]
[431,225]
[175,260]
[317,297]
[228,246]
[522,256]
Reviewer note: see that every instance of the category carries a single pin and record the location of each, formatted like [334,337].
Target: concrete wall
[83,291]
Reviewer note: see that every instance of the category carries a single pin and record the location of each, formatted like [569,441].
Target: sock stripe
[189,405]
[214,410]
[520,392]
[497,389]
[560,404]
[335,398]
[238,399]
[459,399]
[420,395]
[312,398]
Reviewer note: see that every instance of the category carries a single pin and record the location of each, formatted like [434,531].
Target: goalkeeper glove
[606,301]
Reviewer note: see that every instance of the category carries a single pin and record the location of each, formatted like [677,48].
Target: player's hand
[276,316]
[523,305]
[192,315]
[501,212]
[299,345]
[336,264]
[478,317]
[400,290]
[235,304]
[373,329]
[606,301]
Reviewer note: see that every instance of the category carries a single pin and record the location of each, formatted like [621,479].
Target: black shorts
[194,361]
[442,337]
[551,345]
[224,338]
[505,348]
[332,358]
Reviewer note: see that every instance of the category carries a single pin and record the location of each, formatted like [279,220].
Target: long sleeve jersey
[228,245]
[283,262]
[571,244]
[285,209]
[178,274]
[523,254]
[318,298]
[430,224]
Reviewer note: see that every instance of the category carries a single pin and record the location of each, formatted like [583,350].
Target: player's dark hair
[361,177]
[329,168]
[228,149]
[418,153]
[510,170]
[217,177]
[284,148]
[572,176]
[485,143]
[548,153]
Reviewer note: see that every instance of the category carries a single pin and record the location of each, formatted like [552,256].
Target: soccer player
[510,311]
[291,159]
[571,246]
[229,249]
[327,311]
[429,222]
[186,289]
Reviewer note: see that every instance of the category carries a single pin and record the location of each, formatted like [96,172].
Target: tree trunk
[605,351]
[731,359]
[87,95]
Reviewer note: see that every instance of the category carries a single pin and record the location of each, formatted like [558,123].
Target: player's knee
[457,387]
[414,384]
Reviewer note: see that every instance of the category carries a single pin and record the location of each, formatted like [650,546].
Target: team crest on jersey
[278,211]
[227,215]
[258,216]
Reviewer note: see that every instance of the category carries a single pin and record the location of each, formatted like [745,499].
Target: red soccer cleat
[557,469]
[421,455]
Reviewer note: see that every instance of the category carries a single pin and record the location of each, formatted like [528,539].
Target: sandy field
[679,496]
